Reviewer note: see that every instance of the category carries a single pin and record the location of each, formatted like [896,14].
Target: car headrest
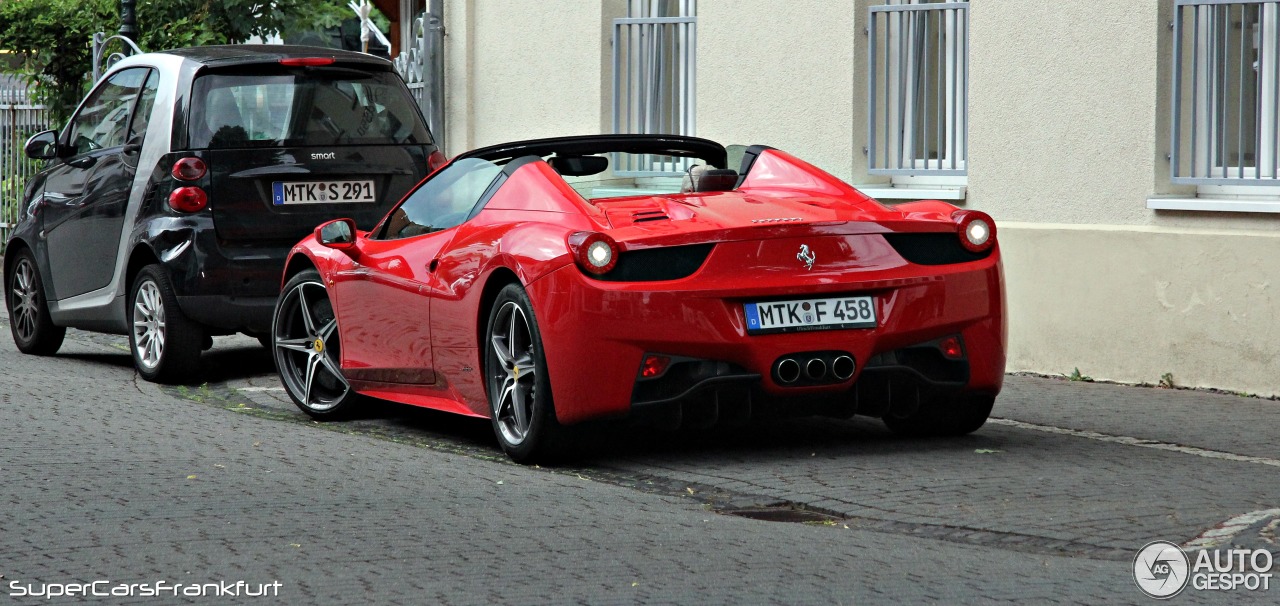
[579,166]
[703,179]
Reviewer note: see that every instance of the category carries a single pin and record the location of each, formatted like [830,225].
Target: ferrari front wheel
[954,416]
[307,350]
[520,405]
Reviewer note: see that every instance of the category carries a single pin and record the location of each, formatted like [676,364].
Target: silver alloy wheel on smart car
[148,325]
[25,299]
[306,348]
[513,379]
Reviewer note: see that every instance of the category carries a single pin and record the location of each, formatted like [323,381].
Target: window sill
[1264,205]
[914,192]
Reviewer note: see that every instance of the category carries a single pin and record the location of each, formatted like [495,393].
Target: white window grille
[654,78]
[1226,93]
[918,102]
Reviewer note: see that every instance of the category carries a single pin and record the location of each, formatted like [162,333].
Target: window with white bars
[918,103]
[653,77]
[1226,93]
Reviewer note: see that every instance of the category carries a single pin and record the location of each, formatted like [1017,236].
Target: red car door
[384,313]
[383,299]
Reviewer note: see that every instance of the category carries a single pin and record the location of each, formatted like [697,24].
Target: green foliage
[54,35]
[1076,376]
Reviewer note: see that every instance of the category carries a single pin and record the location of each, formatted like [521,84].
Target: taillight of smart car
[189,169]
[307,61]
[188,199]
[436,160]
[595,252]
[976,229]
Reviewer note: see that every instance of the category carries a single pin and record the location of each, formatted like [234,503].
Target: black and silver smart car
[170,199]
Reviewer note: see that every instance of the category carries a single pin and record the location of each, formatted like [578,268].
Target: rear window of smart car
[335,106]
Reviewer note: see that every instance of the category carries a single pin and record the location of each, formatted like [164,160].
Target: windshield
[336,106]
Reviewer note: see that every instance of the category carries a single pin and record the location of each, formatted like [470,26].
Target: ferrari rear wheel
[520,405]
[956,416]
[33,330]
[307,350]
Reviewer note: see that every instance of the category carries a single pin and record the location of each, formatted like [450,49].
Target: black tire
[29,321]
[940,417]
[165,344]
[307,350]
[521,408]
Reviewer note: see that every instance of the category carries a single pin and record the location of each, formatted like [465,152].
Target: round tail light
[188,199]
[595,252]
[977,230]
[436,160]
[189,169]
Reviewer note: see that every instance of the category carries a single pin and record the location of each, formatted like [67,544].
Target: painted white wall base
[1129,304]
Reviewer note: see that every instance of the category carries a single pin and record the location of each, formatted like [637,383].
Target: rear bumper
[230,289]
[596,335]
[230,313]
[704,392]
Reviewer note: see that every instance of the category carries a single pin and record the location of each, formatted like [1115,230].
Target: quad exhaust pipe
[787,370]
[814,368]
[842,368]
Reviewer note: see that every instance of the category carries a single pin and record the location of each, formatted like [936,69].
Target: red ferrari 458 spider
[545,283]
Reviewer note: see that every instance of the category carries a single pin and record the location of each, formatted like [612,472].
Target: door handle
[431,267]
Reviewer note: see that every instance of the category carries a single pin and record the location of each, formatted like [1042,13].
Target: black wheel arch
[16,246]
[498,279]
[297,263]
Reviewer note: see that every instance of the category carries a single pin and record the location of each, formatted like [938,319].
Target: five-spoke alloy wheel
[33,330]
[307,350]
[524,417]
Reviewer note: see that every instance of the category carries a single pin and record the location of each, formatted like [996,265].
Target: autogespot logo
[1161,569]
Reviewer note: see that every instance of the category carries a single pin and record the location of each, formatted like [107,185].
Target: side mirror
[42,145]
[339,234]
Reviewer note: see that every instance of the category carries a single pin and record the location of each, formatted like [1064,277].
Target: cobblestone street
[109,477]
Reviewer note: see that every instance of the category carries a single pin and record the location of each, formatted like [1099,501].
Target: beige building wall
[522,70]
[783,74]
[1069,132]
[1068,137]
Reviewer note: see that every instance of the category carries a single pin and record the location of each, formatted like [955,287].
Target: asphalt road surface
[107,479]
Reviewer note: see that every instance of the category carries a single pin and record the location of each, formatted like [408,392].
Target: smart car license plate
[810,314]
[321,192]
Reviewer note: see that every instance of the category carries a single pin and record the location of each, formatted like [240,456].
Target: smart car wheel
[520,404]
[956,416]
[307,350]
[33,330]
[166,345]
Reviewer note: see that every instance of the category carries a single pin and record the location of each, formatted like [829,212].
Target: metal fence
[654,79]
[19,119]
[421,64]
[918,95]
[1226,92]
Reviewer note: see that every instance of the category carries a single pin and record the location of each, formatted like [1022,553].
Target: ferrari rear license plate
[321,192]
[801,315]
